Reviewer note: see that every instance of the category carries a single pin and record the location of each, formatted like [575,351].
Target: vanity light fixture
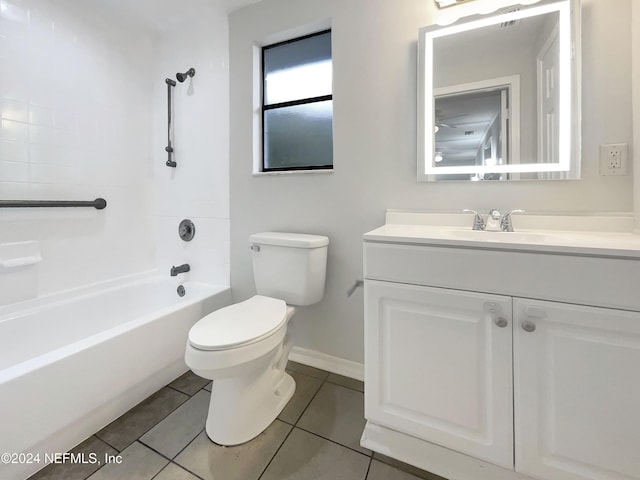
[449,3]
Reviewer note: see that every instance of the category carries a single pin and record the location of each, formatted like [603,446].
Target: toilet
[244,347]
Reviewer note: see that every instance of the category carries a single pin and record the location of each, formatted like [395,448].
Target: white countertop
[572,242]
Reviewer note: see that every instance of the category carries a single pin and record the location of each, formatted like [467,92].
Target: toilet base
[242,408]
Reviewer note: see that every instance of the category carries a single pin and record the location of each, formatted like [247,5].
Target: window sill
[293,172]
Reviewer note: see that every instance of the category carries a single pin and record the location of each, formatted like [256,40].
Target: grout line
[337,443]
[150,428]
[368,468]
[180,467]
[152,449]
[104,441]
[189,443]
[276,452]
[320,436]
[343,386]
[187,470]
[180,391]
[310,402]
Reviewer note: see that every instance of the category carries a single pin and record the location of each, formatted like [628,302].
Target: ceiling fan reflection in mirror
[447,16]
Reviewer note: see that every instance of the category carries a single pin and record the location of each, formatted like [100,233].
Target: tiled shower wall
[83,115]
[75,100]
[198,188]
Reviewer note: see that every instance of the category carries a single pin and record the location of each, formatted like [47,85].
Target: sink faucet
[478,221]
[180,269]
[495,221]
[505,223]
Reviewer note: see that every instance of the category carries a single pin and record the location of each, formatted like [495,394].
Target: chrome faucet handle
[505,223]
[478,221]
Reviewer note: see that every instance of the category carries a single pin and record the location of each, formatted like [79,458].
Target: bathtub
[70,365]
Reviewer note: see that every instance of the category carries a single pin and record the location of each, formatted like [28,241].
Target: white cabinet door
[439,367]
[577,391]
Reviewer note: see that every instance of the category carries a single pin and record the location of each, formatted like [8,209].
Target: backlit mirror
[498,96]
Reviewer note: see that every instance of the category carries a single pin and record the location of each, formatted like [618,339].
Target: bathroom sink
[598,243]
[503,237]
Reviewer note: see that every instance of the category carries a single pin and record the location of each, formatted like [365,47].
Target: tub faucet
[180,269]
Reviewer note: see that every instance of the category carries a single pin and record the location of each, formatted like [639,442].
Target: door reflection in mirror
[474,125]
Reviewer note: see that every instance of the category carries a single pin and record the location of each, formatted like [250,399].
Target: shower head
[183,76]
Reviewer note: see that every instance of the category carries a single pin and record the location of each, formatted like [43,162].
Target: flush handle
[255,248]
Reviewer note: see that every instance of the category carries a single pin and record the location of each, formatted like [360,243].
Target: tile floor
[315,437]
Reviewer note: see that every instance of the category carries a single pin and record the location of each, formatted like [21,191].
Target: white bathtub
[70,366]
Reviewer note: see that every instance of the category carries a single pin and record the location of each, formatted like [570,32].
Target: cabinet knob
[528,326]
[501,322]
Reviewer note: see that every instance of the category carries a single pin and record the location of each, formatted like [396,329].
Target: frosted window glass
[297,70]
[299,136]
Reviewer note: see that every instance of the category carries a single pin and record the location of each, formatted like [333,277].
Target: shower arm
[169,147]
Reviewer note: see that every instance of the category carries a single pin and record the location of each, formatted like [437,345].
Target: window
[297,104]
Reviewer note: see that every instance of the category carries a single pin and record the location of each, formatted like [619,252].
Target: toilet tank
[290,266]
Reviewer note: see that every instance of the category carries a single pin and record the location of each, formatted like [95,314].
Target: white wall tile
[75,124]
[11,151]
[198,188]
[14,172]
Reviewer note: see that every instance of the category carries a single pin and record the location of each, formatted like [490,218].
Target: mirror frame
[569,109]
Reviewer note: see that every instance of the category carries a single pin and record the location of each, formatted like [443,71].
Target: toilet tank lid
[297,240]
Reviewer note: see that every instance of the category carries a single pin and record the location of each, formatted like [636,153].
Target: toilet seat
[239,324]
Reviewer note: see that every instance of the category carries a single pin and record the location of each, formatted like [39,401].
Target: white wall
[374,145]
[76,125]
[198,188]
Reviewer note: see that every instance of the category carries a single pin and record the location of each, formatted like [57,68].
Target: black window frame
[291,103]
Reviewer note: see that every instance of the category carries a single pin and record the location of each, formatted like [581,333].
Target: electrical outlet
[613,159]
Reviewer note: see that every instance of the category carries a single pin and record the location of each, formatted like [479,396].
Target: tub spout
[180,269]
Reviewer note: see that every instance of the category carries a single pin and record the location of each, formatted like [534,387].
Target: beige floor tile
[336,413]
[346,382]
[184,424]
[415,471]
[174,472]
[138,463]
[77,470]
[382,471]
[306,388]
[305,456]
[306,370]
[141,418]
[189,383]
[242,462]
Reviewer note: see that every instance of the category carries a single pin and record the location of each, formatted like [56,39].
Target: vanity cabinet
[577,391]
[469,377]
[440,368]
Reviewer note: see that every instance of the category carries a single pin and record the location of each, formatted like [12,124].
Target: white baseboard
[326,362]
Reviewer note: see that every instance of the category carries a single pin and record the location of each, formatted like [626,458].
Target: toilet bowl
[244,347]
